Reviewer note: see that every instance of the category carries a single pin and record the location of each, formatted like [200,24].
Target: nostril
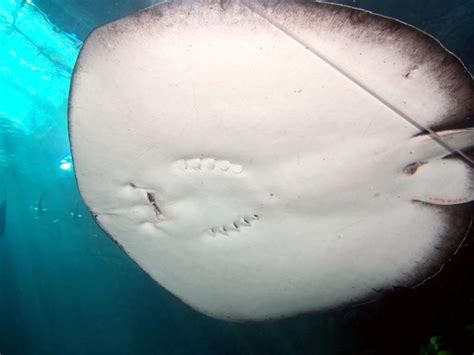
[151,197]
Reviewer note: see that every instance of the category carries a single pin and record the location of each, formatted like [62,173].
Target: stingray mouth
[138,204]
[151,198]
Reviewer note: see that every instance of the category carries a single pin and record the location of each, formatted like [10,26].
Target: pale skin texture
[265,161]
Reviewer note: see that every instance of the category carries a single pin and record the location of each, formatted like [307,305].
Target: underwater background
[66,288]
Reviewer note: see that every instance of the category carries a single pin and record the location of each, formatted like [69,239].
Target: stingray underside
[263,160]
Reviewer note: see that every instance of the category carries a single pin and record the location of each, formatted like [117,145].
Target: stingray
[39,208]
[263,160]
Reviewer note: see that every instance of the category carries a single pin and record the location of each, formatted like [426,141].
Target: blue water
[65,287]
